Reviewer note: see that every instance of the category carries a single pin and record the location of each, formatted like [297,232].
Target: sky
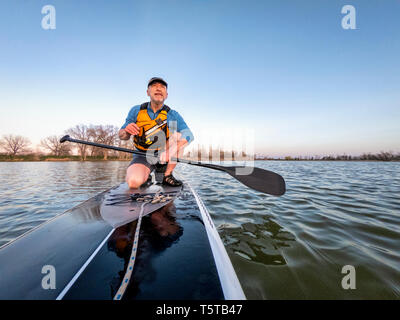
[284,74]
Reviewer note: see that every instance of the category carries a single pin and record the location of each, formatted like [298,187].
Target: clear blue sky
[285,68]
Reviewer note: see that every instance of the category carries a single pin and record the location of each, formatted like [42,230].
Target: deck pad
[121,207]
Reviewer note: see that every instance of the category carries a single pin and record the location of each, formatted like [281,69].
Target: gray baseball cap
[157,79]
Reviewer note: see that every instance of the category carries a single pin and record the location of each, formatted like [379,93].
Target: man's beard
[158,100]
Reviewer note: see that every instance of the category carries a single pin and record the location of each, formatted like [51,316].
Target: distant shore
[50,158]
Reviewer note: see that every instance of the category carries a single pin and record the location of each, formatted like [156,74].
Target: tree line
[14,145]
[381,156]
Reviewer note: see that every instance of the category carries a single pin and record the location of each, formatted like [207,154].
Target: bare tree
[80,132]
[103,134]
[128,144]
[386,156]
[13,144]
[55,147]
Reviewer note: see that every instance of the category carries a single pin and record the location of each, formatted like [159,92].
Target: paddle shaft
[258,179]
[106,146]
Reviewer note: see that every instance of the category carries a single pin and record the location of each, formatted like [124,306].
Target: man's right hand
[132,128]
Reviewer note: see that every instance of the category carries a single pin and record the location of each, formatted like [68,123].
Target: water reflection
[159,231]
[259,243]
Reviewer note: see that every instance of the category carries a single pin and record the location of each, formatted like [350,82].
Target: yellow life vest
[149,128]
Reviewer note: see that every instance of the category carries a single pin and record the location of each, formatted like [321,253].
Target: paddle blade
[260,179]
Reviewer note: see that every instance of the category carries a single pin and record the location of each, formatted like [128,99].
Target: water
[292,247]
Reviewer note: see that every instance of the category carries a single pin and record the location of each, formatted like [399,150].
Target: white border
[227,275]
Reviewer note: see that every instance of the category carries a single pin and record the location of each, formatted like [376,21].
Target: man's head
[157,90]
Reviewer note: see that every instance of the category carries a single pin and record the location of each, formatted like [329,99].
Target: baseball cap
[157,79]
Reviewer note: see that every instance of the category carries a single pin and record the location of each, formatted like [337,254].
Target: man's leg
[136,175]
[170,168]
[169,179]
[173,142]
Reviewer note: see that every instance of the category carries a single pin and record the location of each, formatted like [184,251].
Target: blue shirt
[174,120]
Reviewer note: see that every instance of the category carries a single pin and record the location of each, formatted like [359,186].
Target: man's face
[157,92]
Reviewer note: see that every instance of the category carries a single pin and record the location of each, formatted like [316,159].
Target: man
[157,130]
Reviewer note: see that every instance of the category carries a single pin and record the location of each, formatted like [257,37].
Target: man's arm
[123,135]
[129,128]
[177,124]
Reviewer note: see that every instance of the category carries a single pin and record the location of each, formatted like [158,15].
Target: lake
[334,214]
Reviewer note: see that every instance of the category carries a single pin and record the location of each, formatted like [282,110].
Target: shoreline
[127,160]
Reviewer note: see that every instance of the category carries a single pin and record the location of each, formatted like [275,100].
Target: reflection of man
[162,222]
[160,231]
[152,125]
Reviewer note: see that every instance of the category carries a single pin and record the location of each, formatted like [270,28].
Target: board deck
[174,259]
[89,249]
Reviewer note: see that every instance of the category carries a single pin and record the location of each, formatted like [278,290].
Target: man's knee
[134,182]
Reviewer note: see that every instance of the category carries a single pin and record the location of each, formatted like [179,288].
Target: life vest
[149,128]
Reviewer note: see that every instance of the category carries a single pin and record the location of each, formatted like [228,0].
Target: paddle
[258,179]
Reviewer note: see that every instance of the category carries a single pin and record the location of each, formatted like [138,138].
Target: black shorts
[150,163]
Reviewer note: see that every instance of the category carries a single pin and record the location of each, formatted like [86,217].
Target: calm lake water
[292,247]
